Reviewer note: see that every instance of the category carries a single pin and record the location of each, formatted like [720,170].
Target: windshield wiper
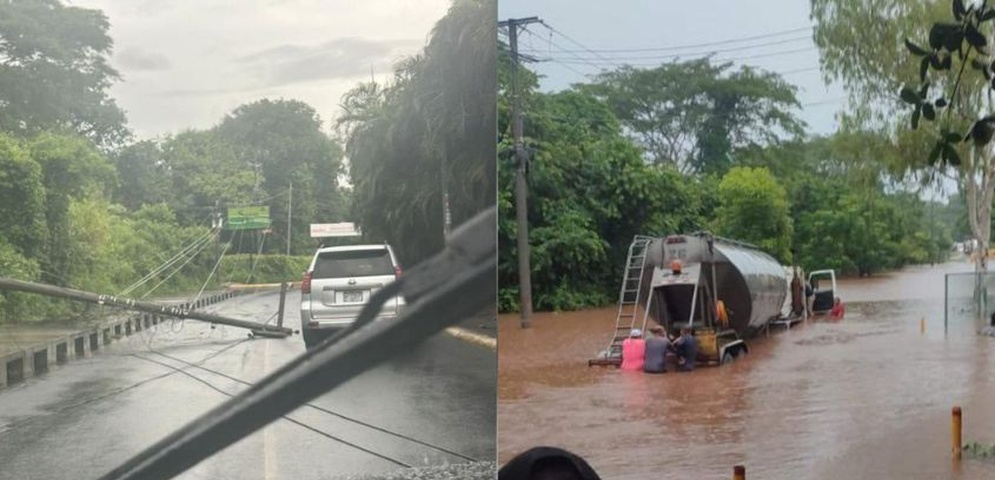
[458,282]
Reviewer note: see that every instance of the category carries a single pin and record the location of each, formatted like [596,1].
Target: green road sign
[248,218]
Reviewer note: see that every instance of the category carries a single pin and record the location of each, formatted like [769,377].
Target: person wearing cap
[657,347]
[687,350]
[633,351]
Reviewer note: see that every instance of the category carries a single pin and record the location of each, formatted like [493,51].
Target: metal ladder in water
[628,297]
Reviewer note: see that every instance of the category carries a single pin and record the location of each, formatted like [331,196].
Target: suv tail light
[397,272]
[306,283]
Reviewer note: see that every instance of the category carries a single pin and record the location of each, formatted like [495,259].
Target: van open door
[823,284]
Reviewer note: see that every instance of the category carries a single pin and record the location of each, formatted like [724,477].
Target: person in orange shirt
[838,310]
[634,351]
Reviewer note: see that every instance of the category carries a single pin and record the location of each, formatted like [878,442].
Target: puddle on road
[868,395]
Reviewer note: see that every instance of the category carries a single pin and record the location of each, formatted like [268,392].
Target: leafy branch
[962,37]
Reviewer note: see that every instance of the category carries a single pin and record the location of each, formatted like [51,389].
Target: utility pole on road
[521,186]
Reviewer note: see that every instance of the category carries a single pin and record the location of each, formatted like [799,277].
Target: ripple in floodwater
[866,397]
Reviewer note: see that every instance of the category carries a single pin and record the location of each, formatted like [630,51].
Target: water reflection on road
[869,397]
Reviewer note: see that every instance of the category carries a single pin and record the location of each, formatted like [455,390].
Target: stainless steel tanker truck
[723,289]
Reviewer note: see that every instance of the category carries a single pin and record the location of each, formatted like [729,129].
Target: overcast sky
[662,29]
[186,63]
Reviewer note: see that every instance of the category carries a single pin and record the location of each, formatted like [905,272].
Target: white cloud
[135,59]
[186,63]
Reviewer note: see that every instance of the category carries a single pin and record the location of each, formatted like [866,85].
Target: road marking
[475,338]
[269,468]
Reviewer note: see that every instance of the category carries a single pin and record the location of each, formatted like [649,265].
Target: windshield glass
[168,173]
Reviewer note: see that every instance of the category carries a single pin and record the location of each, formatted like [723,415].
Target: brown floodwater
[868,397]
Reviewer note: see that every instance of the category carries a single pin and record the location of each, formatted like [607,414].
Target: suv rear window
[353,263]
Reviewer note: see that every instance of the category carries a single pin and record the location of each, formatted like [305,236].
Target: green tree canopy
[692,115]
[428,133]
[754,208]
[892,51]
[22,200]
[590,192]
[54,73]
[204,173]
[71,169]
[283,142]
[144,176]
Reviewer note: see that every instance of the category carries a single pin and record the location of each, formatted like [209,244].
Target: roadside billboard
[343,229]
[248,218]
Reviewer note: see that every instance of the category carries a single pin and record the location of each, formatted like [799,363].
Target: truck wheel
[727,358]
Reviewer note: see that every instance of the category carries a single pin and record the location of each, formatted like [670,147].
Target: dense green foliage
[753,208]
[427,133]
[695,125]
[262,268]
[921,72]
[54,74]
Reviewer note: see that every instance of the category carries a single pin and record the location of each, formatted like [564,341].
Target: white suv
[338,284]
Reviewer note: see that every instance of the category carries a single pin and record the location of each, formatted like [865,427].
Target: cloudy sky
[586,37]
[186,63]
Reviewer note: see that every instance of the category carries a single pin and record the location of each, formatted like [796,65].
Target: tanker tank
[694,274]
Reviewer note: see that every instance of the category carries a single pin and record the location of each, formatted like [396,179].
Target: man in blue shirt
[687,350]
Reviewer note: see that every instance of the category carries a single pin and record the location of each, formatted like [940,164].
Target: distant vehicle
[338,284]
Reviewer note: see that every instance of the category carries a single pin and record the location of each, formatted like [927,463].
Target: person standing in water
[657,347]
[634,351]
[687,350]
[838,310]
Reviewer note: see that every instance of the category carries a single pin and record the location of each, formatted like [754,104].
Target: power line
[324,410]
[568,67]
[699,45]
[705,52]
[285,417]
[198,243]
[571,40]
[613,62]
[558,46]
[718,60]
[710,116]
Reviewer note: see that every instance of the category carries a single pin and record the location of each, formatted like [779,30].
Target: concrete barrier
[42,356]
[79,347]
[61,352]
[13,371]
[39,363]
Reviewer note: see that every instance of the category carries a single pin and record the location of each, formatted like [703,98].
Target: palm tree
[427,136]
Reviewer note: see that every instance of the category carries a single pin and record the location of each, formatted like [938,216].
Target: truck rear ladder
[628,299]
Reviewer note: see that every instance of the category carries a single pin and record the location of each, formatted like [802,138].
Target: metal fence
[967,295]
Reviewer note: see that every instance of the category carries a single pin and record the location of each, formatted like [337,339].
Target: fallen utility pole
[129,304]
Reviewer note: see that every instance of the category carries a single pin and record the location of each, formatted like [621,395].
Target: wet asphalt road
[85,418]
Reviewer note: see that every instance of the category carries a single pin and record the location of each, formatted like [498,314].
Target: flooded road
[869,397]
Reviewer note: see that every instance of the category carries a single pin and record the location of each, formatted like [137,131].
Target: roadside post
[283,300]
[955,430]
